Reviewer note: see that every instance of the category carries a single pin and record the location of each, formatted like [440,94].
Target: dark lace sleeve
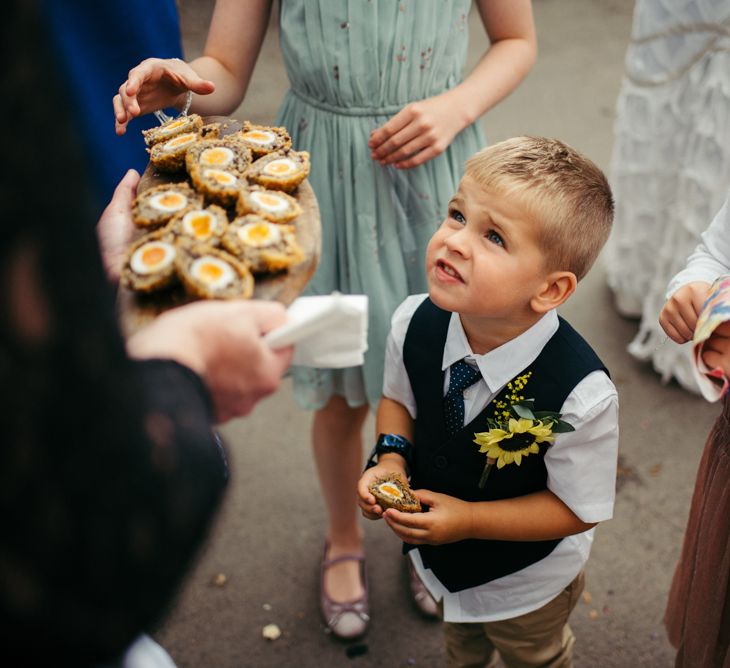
[109,471]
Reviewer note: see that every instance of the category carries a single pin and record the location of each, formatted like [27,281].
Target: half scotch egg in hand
[392,491]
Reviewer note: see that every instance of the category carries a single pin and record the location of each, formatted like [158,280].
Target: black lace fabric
[109,472]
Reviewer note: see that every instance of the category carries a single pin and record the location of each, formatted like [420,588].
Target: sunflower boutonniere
[517,435]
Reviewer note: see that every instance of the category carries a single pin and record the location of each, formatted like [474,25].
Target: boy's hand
[448,520]
[387,463]
[716,351]
[679,315]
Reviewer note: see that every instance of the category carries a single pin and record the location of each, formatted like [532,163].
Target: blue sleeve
[97,43]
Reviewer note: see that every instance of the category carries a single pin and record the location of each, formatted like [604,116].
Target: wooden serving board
[137,310]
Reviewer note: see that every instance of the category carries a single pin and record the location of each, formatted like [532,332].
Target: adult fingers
[418,143]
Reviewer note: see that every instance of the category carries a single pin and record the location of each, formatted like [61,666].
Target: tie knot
[462,375]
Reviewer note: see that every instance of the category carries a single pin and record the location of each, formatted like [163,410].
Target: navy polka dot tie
[462,376]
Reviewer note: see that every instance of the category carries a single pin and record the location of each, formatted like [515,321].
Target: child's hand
[448,520]
[388,463]
[716,350]
[155,84]
[679,315]
[417,133]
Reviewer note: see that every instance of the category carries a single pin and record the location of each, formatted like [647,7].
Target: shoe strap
[343,557]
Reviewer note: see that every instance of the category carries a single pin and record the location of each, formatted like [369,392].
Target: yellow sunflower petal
[534,448]
[500,463]
[518,458]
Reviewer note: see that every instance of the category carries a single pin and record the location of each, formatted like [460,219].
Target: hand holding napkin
[712,382]
[328,332]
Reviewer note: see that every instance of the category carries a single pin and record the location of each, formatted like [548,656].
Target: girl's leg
[337,444]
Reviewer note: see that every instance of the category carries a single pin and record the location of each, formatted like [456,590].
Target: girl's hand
[716,351]
[448,520]
[156,84]
[418,132]
[679,315]
[387,463]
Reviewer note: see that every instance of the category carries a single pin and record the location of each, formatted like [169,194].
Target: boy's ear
[558,286]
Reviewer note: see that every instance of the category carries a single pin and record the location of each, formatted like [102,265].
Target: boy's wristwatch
[396,443]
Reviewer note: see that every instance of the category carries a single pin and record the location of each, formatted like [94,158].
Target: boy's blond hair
[560,188]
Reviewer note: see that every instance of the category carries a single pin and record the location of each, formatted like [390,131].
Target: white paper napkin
[328,332]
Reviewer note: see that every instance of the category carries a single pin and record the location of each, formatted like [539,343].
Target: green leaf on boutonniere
[523,411]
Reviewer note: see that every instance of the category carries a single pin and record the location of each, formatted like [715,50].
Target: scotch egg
[212,272]
[392,491]
[149,264]
[169,156]
[262,139]
[218,185]
[201,225]
[173,127]
[274,205]
[156,206]
[227,154]
[280,170]
[266,247]
[209,273]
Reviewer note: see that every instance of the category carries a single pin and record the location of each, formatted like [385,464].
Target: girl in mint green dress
[379,99]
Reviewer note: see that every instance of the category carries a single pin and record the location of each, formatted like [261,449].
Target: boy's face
[484,260]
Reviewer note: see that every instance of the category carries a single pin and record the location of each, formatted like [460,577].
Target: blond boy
[502,548]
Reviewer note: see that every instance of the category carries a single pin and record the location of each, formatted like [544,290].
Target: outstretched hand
[417,133]
[154,84]
[222,342]
[448,520]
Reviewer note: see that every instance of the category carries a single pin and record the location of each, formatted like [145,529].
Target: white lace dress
[670,168]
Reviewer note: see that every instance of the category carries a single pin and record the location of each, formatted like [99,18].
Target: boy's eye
[456,215]
[495,238]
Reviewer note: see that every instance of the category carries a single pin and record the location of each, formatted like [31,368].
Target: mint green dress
[352,65]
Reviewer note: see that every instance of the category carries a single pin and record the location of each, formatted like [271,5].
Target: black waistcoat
[453,465]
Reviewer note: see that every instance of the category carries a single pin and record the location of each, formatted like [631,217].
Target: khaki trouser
[541,638]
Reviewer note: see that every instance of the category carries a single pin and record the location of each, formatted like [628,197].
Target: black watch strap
[396,443]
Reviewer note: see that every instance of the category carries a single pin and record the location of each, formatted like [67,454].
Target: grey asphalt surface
[268,538]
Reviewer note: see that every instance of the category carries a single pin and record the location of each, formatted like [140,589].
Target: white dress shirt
[711,258]
[581,465]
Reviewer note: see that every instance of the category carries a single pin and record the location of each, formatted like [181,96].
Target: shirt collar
[502,364]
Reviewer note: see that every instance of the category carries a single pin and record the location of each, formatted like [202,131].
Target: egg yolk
[179,141]
[278,167]
[224,178]
[391,489]
[153,256]
[214,156]
[268,200]
[171,200]
[210,272]
[201,226]
[258,232]
[174,125]
[258,136]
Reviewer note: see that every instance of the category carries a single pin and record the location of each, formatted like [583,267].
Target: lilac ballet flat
[347,620]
